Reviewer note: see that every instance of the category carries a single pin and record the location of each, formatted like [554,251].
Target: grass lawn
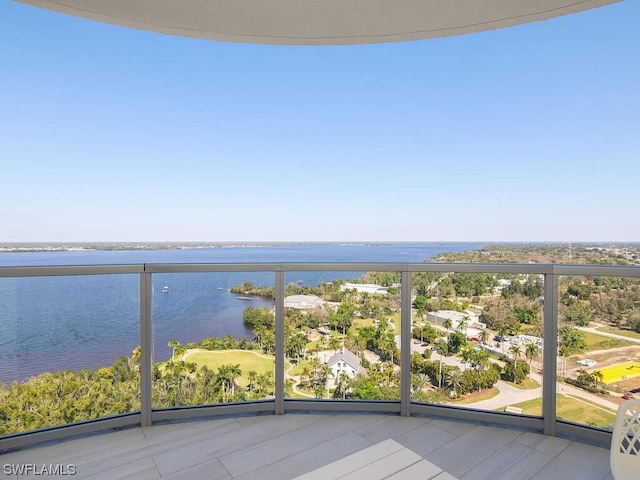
[622,371]
[475,397]
[573,410]
[623,333]
[299,367]
[599,342]
[248,360]
[394,319]
[528,384]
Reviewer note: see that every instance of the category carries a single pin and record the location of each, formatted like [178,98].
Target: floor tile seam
[493,452]
[474,426]
[505,469]
[288,432]
[398,438]
[155,465]
[121,465]
[244,446]
[298,453]
[562,449]
[191,465]
[205,435]
[531,474]
[252,446]
[151,447]
[186,425]
[395,437]
[206,439]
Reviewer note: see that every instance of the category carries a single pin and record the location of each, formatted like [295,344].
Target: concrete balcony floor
[272,447]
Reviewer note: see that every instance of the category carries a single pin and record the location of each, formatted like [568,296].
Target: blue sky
[530,133]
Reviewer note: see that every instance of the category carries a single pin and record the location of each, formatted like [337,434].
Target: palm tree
[515,351]
[467,354]
[226,378]
[288,388]
[173,343]
[233,371]
[264,383]
[297,344]
[597,377]
[453,379]
[343,384]
[463,324]
[447,324]
[259,331]
[571,340]
[442,349]
[325,373]
[375,372]
[530,351]
[418,382]
[502,331]
[134,360]
[515,328]
[484,336]
[252,376]
[388,346]
[335,344]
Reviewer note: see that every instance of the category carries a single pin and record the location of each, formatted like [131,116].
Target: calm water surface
[57,323]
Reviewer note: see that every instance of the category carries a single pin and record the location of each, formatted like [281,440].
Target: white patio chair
[625,442]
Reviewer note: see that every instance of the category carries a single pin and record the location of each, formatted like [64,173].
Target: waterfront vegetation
[226,369]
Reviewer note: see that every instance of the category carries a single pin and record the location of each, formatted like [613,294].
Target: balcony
[286,427]
[283,447]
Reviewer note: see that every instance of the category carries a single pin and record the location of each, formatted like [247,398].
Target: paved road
[510,395]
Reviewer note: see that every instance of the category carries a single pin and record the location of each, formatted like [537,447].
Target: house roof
[303,301]
[313,22]
[347,356]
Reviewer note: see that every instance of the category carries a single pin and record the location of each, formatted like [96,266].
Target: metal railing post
[549,353]
[146,349]
[279,360]
[405,343]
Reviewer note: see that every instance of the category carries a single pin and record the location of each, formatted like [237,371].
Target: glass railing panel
[68,349]
[598,347]
[477,341]
[342,335]
[214,338]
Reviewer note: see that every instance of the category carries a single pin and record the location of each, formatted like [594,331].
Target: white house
[344,361]
[303,302]
[365,288]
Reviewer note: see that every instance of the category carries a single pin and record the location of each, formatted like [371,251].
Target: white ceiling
[317,22]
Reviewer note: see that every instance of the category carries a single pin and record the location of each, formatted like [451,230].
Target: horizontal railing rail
[510,268]
[547,423]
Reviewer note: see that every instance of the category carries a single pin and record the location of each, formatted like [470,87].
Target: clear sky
[530,133]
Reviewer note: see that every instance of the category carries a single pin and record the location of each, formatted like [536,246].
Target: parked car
[586,362]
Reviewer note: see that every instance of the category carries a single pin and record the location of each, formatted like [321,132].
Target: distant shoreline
[25,247]
[130,246]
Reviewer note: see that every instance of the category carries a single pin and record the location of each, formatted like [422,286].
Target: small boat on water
[244,298]
[165,289]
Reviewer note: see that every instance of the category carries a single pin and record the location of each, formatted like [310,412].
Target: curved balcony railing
[150,311]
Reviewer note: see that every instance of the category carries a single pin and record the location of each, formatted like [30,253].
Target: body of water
[57,323]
